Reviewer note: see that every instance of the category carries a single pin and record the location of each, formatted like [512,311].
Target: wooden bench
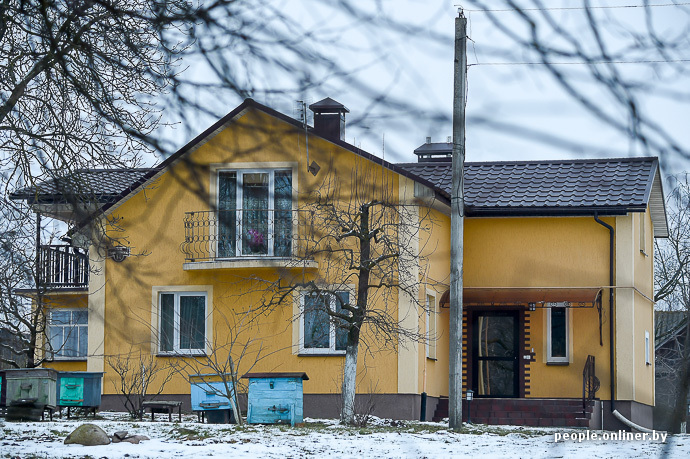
[162,406]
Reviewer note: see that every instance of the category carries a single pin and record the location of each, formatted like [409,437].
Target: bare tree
[612,61]
[235,350]
[91,84]
[139,377]
[24,318]
[672,286]
[367,246]
[669,364]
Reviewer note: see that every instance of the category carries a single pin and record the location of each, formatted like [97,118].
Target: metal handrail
[238,233]
[590,382]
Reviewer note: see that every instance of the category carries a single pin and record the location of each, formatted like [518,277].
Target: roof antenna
[313,167]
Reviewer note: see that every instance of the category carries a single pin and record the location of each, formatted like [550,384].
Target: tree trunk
[347,415]
[234,400]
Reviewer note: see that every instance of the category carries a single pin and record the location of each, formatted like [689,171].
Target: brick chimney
[329,118]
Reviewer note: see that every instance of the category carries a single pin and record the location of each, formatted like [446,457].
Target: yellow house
[558,273]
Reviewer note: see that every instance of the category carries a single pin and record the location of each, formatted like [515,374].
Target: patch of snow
[382,438]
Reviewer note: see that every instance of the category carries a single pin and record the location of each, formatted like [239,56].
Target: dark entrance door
[495,353]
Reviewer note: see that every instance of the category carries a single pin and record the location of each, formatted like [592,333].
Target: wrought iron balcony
[63,267]
[237,234]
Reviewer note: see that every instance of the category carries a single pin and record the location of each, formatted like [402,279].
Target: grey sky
[536,119]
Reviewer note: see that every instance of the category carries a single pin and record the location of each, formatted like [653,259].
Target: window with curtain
[68,333]
[557,335]
[322,334]
[254,213]
[182,322]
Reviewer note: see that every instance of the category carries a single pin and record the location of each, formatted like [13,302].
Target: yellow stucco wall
[499,252]
[634,309]
[434,273]
[152,221]
[546,252]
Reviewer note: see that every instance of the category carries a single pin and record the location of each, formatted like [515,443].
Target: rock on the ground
[135,439]
[88,435]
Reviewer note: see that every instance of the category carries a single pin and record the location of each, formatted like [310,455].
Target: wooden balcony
[63,267]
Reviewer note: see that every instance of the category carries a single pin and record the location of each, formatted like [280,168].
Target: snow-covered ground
[317,437]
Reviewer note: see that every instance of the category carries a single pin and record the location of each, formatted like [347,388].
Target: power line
[662,61]
[577,8]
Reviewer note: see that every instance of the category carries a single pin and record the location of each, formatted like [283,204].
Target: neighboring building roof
[561,187]
[668,324]
[104,184]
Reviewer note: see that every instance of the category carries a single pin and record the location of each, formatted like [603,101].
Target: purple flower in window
[256,238]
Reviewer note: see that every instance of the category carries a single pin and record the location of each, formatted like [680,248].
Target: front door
[495,370]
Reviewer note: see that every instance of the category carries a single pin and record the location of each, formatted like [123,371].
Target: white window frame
[647,349]
[176,350]
[330,350]
[73,328]
[549,357]
[431,332]
[238,205]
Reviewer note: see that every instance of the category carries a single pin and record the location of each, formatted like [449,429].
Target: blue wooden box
[275,398]
[209,392]
[79,388]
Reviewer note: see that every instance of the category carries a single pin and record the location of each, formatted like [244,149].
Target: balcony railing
[235,234]
[63,267]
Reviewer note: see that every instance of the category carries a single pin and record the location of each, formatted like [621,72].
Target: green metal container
[32,383]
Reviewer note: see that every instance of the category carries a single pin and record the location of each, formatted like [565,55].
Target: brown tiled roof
[548,187]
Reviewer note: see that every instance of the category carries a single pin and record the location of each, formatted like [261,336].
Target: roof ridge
[568,161]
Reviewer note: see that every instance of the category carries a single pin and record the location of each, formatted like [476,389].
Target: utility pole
[457,216]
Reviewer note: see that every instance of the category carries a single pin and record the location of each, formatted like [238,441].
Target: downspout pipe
[612,233]
[614,411]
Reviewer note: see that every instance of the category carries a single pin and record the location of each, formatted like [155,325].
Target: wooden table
[162,406]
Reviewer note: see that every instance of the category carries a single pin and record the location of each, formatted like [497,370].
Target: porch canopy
[541,297]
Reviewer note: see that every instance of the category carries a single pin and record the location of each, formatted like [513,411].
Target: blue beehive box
[79,388]
[209,392]
[275,398]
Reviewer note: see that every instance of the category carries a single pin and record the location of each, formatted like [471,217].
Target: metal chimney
[329,118]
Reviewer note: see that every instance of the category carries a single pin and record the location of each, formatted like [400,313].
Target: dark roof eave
[473,211]
[61,199]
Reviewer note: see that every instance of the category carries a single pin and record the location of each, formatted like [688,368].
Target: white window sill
[244,263]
